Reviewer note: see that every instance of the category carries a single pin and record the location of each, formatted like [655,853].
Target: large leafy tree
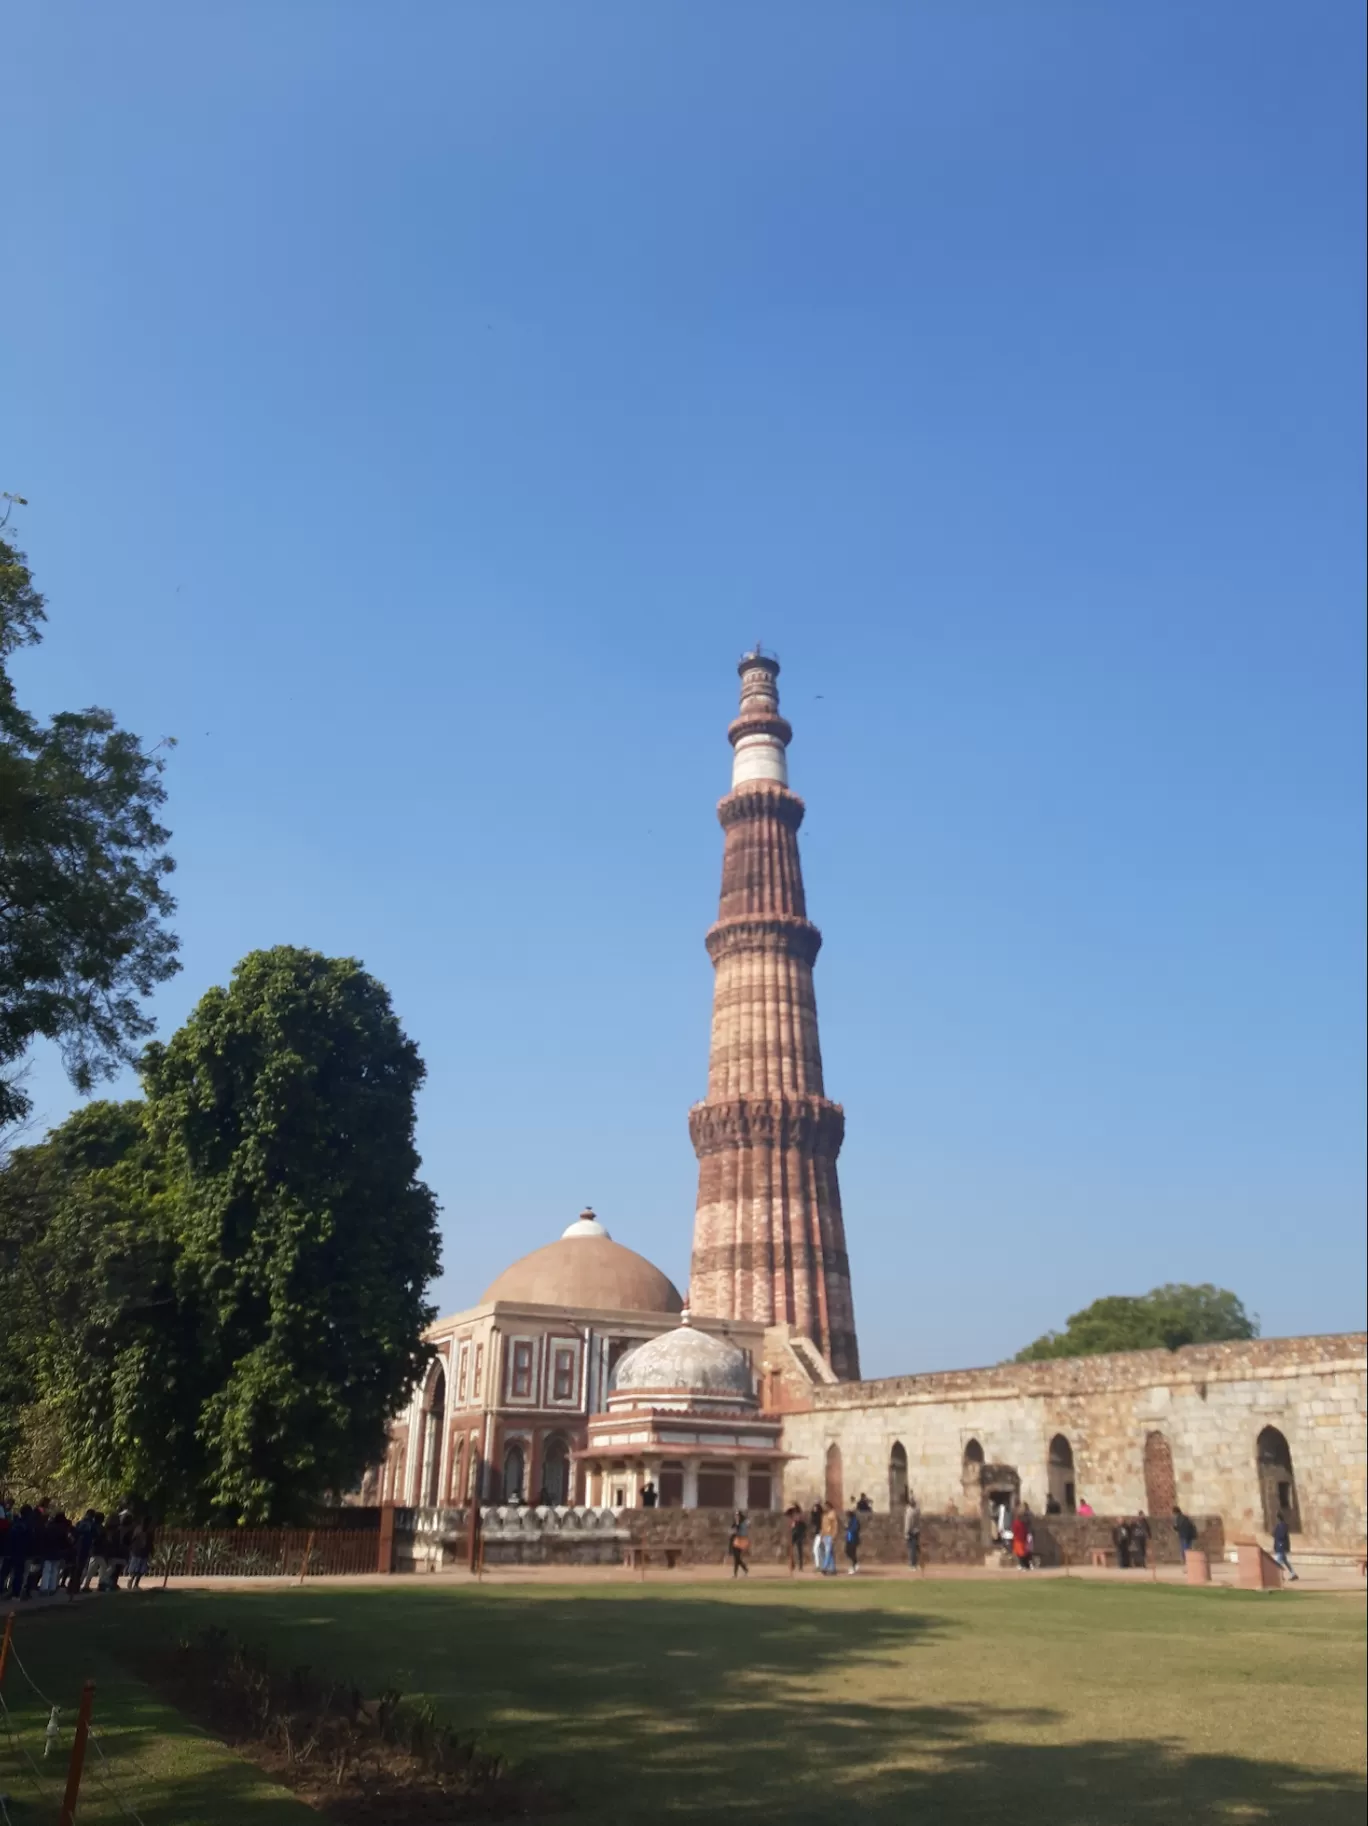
[83,869]
[1163,1319]
[223,1286]
[99,1352]
[283,1116]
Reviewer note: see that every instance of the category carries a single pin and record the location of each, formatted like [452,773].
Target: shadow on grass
[700,1707]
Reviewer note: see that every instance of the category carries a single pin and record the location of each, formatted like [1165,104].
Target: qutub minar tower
[769,1240]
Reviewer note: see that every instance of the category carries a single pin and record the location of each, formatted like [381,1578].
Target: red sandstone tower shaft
[769,1240]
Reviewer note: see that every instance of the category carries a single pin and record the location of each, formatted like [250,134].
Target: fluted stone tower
[769,1240]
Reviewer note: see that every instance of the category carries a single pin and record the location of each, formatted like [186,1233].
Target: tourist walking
[1282,1545]
[1121,1540]
[1186,1530]
[739,1545]
[1021,1540]
[797,1538]
[827,1537]
[140,1554]
[18,1543]
[852,1540]
[1140,1535]
[912,1531]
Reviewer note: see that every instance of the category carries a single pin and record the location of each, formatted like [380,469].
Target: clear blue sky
[421,406]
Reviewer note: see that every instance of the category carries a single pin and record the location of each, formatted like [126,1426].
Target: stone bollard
[1198,1567]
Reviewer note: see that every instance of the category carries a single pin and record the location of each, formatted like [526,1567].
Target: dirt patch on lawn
[360,1761]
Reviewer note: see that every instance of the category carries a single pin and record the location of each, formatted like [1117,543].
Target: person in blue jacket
[1282,1544]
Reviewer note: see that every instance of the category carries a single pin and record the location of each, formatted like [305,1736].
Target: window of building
[521,1377]
[758,1490]
[671,1484]
[716,1487]
[461,1375]
[479,1370]
[563,1386]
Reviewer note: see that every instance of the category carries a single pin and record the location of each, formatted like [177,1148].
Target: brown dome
[586,1269]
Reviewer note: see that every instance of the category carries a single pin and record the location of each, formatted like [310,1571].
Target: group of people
[42,1550]
[825,1524]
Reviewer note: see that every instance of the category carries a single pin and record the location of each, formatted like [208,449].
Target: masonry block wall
[1202,1409]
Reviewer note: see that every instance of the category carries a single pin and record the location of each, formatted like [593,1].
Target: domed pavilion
[504,1410]
[682,1413]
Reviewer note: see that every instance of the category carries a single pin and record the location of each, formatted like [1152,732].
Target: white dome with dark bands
[685,1361]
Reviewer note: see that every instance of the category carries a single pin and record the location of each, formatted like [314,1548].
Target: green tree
[83,868]
[283,1117]
[1163,1319]
[224,1285]
[98,1350]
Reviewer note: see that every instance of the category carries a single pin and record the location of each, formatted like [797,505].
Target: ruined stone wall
[1208,1402]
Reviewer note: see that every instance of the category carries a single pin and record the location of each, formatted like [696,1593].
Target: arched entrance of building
[1277,1485]
[1161,1486]
[835,1477]
[999,1499]
[971,1473]
[432,1431]
[897,1476]
[555,1481]
[514,1473]
[456,1481]
[1061,1476]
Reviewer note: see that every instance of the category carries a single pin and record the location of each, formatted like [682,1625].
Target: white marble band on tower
[759,736]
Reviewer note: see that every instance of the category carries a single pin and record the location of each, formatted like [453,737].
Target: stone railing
[427,1540]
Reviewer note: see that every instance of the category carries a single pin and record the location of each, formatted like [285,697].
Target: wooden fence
[264,1553]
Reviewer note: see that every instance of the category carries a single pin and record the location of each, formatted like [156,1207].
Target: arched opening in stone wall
[432,1431]
[999,1499]
[835,1477]
[971,1472]
[671,1486]
[1277,1485]
[456,1481]
[555,1479]
[1062,1492]
[1161,1487]
[514,1473]
[897,1476]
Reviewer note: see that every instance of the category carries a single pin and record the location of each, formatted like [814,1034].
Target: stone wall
[1207,1403]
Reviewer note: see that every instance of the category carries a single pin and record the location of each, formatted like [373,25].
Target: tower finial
[759,736]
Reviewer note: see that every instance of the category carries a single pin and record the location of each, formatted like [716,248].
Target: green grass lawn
[1076,1703]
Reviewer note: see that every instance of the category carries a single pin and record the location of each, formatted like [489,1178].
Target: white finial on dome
[684,1318]
[586,1224]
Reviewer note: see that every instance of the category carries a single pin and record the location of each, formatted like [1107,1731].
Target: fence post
[308,1550]
[67,1817]
[5,1645]
[385,1559]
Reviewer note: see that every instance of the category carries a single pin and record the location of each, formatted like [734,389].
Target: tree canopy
[83,868]
[223,1285]
[1163,1319]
